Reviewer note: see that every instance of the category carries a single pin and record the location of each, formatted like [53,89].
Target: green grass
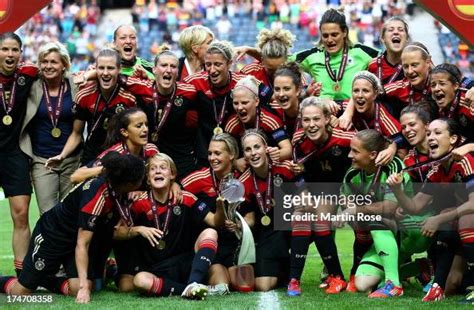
[311,298]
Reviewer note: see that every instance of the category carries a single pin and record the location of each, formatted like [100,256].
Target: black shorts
[273,253]
[15,173]
[45,256]
[226,255]
[176,268]
[127,256]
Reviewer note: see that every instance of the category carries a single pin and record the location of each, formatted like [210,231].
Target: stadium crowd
[175,164]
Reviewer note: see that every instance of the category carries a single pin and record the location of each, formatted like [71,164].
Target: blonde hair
[165,158]
[254,132]
[164,50]
[229,141]
[58,48]
[275,43]
[194,35]
[250,83]
[372,78]
[224,48]
[319,103]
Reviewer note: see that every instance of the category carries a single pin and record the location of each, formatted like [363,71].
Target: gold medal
[7,120]
[301,167]
[56,132]
[218,130]
[161,245]
[336,87]
[265,220]
[154,137]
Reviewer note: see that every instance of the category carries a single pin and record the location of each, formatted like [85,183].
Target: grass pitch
[312,297]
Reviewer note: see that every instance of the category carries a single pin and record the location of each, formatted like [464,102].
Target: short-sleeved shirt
[93,109]
[397,96]
[281,170]
[389,126]
[88,206]
[209,104]
[269,123]
[330,162]
[176,138]
[459,172]
[384,70]
[313,62]
[180,237]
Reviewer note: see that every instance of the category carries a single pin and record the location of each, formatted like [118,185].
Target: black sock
[359,249]
[445,249]
[55,284]
[201,263]
[165,287]
[468,253]
[3,282]
[328,251]
[299,250]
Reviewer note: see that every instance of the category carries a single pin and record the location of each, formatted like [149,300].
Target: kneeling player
[64,233]
[173,261]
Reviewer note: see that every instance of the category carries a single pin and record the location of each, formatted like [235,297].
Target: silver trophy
[233,192]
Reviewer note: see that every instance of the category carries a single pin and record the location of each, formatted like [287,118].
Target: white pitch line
[269,301]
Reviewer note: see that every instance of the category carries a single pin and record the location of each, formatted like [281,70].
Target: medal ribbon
[310,154]
[219,118]
[342,67]
[424,93]
[264,205]
[53,114]
[156,104]
[430,162]
[96,108]
[123,211]
[379,71]
[156,217]
[377,119]
[8,106]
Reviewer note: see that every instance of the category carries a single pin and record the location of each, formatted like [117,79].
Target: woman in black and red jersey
[453,224]
[77,232]
[319,155]
[372,114]
[127,134]
[173,259]
[414,121]
[273,48]
[415,87]
[96,102]
[15,84]
[213,103]
[167,104]
[448,89]
[388,66]
[249,113]
[288,84]
[206,185]
[259,181]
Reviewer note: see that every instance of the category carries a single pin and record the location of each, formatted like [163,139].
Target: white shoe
[195,291]
[218,289]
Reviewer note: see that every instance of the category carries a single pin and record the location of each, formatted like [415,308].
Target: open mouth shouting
[128,52]
[434,149]
[284,101]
